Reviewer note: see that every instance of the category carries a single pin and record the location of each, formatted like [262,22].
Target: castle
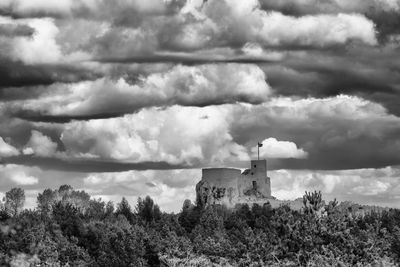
[228,186]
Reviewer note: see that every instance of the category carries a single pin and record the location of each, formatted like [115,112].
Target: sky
[133,97]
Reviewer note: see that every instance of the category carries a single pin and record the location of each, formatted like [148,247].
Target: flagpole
[258,151]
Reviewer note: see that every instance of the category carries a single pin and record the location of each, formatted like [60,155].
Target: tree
[68,217]
[109,208]
[79,199]
[147,210]
[312,202]
[125,209]
[95,209]
[45,200]
[14,201]
[189,216]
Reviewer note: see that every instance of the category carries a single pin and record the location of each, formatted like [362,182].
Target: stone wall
[218,186]
[254,181]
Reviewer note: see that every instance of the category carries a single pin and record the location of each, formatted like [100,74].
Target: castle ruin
[228,186]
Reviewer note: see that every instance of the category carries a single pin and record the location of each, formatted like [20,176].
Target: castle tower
[260,182]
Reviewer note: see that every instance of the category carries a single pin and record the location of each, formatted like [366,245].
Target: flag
[260,144]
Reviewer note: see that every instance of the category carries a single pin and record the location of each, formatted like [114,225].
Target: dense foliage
[68,228]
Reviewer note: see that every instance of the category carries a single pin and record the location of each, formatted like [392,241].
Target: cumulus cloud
[21,178]
[184,85]
[42,47]
[273,148]
[7,150]
[246,22]
[175,135]
[384,13]
[40,145]
[14,175]
[317,30]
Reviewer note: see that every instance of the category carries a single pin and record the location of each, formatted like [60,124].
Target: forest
[69,228]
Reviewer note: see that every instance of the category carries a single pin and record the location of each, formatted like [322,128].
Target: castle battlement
[229,186]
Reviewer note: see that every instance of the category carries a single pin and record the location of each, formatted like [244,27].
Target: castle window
[255,166]
[254,184]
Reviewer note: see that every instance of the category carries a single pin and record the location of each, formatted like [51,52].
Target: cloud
[384,13]
[366,186]
[11,30]
[176,135]
[337,132]
[24,7]
[21,178]
[17,176]
[42,47]
[40,145]
[182,85]
[246,22]
[7,150]
[330,6]
[27,77]
[319,30]
[273,148]
[363,72]
[341,132]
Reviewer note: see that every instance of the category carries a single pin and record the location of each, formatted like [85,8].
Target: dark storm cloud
[120,12]
[338,132]
[11,30]
[181,85]
[33,116]
[186,59]
[17,74]
[87,165]
[370,73]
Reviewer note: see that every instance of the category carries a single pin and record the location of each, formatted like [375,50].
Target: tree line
[69,228]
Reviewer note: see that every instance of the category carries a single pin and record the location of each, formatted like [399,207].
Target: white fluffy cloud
[20,178]
[7,150]
[40,145]
[15,175]
[42,46]
[176,135]
[273,148]
[319,30]
[246,22]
